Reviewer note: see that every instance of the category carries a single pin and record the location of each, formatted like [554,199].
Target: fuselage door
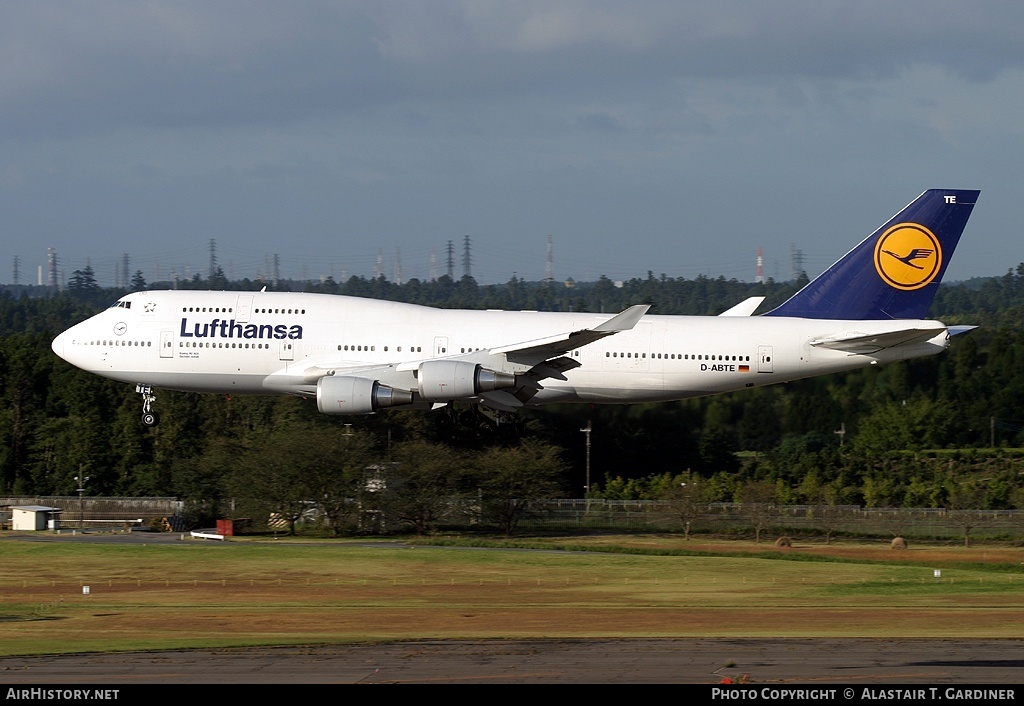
[243,309]
[440,346]
[764,359]
[287,350]
[167,344]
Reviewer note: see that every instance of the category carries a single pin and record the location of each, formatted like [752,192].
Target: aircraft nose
[58,344]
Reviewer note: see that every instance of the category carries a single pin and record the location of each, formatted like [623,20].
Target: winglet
[894,272]
[537,351]
[623,321]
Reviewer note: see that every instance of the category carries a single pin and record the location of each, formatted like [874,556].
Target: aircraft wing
[866,343]
[546,360]
[519,366]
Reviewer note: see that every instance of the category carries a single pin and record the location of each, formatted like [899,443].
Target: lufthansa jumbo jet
[357,356]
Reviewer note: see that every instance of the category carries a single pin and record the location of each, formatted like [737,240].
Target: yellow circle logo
[908,256]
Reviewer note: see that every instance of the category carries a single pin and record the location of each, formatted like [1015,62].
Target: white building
[35,517]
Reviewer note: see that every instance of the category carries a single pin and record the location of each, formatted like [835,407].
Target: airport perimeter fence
[804,520]
[100,512]
[584,515]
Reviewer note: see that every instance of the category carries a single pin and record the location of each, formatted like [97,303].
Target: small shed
[35,517]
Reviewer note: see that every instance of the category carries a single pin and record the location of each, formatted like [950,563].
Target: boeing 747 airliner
[357,356]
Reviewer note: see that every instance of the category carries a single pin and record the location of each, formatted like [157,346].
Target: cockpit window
[121,305]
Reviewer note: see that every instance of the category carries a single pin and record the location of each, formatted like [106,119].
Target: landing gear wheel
[149,417]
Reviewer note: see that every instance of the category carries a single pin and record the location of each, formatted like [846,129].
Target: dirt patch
[879,550]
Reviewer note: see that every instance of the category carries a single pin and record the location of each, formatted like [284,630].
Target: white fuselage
[273,343]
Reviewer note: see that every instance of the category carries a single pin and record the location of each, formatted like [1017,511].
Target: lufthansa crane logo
[908,256]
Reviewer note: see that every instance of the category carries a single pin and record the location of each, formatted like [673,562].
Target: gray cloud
[690,131]
[90,66]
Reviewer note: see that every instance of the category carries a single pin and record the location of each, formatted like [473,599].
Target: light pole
[841,433]
[81,481]
[586,430]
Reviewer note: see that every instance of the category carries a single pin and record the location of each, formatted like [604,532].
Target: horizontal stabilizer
[867,343]
[957,330]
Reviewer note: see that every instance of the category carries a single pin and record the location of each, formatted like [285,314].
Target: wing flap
[501,400]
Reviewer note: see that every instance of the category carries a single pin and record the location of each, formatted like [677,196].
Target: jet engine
[441,380]
[347,394]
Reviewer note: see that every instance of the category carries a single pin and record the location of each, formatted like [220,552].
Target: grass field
[191,594]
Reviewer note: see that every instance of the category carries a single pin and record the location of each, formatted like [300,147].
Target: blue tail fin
[894,273]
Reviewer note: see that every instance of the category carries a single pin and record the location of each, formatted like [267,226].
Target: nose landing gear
[149,417]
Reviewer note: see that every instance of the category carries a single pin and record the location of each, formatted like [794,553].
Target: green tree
[964,506]
[83,281]
[138,281]
[294,471]
[426,485]
[687,498]
[716,452]
[758,498]
[909,425]
[510,479]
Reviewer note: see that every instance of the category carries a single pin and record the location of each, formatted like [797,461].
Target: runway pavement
[679,661]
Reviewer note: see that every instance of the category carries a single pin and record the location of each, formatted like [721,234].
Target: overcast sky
[667,136]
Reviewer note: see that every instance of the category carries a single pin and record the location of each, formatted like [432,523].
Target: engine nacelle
[457,379]
[347,394]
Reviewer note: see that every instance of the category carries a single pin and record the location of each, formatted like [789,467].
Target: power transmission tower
[796,258]
[451,260]
[467,258]
[549,267]
[213,258]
